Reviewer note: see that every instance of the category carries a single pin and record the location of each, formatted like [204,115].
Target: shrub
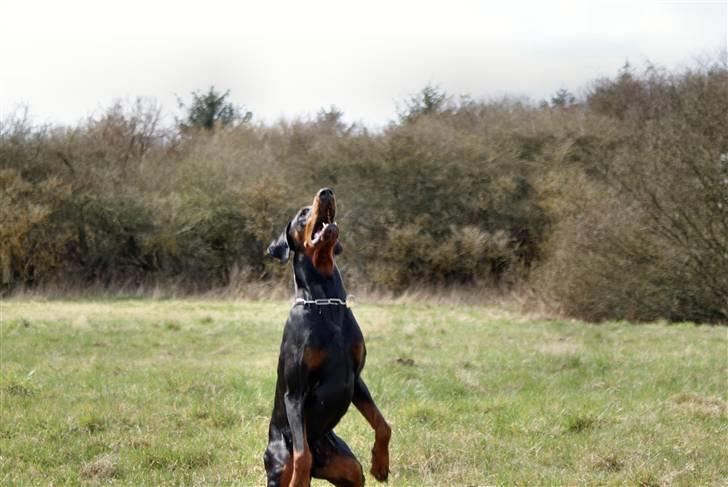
[646,232]
[615,206]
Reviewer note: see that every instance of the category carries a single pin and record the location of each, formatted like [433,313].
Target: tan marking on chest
[357,351]
[314,357]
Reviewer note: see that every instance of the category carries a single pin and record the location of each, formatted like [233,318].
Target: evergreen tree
[212,109]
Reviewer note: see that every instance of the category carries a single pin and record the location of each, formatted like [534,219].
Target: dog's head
[312,231]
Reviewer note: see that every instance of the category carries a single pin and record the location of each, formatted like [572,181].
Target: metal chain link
[322,301]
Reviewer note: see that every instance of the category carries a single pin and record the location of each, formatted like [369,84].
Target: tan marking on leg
[342,470]
[301,476]
[380,453]
[382,434]
[314,357]
[286,474]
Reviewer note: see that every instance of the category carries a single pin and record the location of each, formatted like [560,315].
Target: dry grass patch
[700,405]
[102,467]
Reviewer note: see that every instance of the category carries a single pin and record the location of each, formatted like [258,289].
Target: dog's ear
[338,248]
[280,248]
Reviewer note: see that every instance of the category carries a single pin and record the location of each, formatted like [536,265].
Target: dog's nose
[325,193]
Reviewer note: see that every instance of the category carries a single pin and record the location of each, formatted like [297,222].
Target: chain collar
[322,301]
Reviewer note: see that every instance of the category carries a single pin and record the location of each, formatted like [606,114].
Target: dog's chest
[333,361]
[334,347]
[341,355]
[333,387]
[331,382]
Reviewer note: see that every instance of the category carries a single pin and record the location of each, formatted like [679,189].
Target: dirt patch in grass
[700,405]
[102,467]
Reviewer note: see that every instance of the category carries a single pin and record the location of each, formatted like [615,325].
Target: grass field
[141,392]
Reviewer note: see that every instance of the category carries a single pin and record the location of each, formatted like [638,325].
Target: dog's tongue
[319,235]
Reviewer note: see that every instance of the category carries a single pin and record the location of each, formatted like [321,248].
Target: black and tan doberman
[319,368]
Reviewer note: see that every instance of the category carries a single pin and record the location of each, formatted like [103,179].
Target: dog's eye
[304,211]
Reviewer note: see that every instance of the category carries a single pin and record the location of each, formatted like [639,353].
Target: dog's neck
[322,257]
[314,285]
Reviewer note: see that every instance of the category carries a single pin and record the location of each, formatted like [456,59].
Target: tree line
[609,205]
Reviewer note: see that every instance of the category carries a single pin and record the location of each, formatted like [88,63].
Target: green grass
[179,392]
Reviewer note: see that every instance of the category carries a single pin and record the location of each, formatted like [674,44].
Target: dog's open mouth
[324,224]
[324,229]
[321,233]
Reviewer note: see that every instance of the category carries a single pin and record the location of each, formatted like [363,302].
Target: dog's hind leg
[334,461]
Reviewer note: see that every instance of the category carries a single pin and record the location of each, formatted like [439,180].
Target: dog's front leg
[382,432]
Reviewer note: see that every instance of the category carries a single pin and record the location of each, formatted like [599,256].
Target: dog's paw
[380,463]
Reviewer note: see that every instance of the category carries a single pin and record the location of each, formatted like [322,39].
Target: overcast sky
[68,59]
